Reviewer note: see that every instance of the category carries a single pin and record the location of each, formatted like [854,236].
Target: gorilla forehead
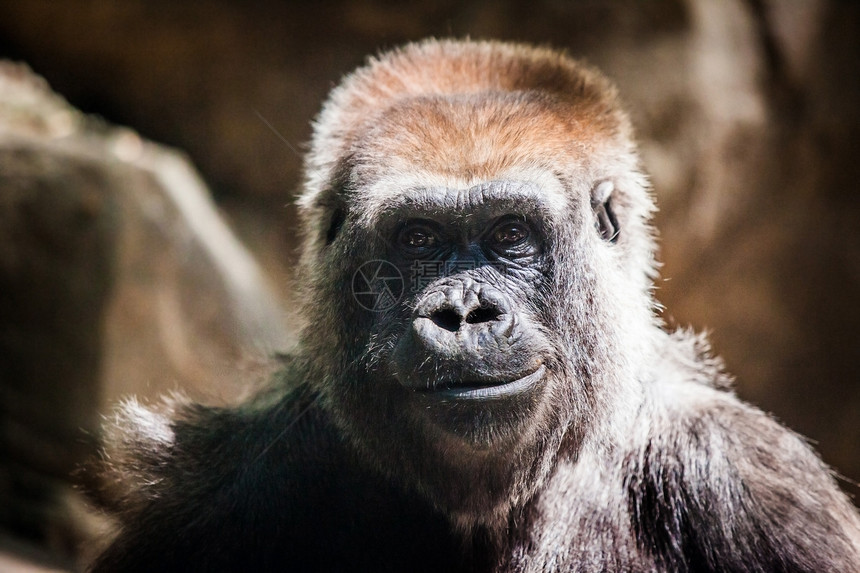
[457,205]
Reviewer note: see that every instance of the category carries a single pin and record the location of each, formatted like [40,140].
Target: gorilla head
[476,268]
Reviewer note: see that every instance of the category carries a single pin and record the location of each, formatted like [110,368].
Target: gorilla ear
[601,202]
[335,223]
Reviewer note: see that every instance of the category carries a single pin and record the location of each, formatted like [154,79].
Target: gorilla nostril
[446,318]
[483,314]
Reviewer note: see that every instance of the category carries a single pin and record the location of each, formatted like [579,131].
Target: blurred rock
[117,276]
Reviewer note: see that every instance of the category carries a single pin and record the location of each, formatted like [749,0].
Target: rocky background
[117,275]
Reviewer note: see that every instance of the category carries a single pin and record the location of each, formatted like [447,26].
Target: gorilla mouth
[469,390]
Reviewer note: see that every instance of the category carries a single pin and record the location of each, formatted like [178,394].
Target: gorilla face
[473,335]
[470,343]
[467,337]
[470,379]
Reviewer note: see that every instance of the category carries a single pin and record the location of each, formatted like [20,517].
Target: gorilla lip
[490,390]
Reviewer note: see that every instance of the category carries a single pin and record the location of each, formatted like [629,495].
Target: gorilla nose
[468,313]
[452,320]
[462,333]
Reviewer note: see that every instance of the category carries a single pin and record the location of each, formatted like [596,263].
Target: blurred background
[120,275]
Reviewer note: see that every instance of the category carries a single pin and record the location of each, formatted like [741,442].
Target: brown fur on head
[443,117]
[521,90]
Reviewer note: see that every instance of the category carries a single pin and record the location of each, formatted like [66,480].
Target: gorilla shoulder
[714,484]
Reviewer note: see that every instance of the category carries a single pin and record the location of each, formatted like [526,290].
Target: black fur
[239,493]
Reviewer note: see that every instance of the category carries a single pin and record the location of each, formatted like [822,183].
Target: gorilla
[482,381]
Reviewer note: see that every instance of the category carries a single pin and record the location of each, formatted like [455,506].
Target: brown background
[748,113]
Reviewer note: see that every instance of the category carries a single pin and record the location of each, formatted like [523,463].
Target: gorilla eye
[418,237]
[510,234]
